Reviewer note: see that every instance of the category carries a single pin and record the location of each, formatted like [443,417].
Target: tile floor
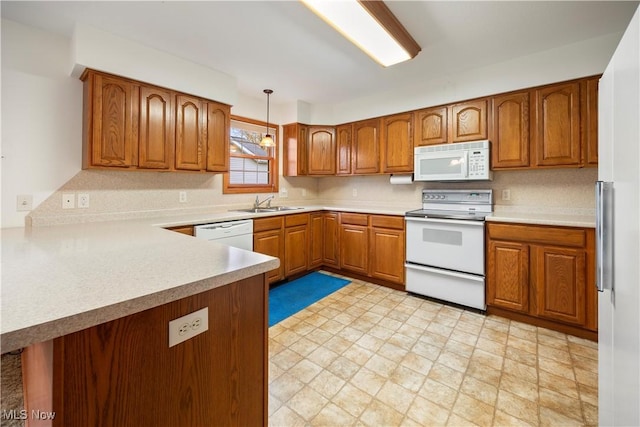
[371,356]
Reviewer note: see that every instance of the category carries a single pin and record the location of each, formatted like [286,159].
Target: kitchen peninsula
[90,303]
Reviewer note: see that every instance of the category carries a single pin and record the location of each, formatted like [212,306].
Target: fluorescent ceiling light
[371,26]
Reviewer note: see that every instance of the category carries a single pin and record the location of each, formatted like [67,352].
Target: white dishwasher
[238,234]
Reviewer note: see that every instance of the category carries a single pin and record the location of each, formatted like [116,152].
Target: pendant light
[267,141]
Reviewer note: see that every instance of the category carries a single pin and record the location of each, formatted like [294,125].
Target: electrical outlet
[83,200]
[354,192]
[188,326]
[284,193]
[304,192]
[24,202]
[68,200]
[182,197]
[506,195]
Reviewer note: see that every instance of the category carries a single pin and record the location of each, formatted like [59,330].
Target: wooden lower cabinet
[387,248]
[316,239]
[354,242]
[268,239]
[331,239]
[544,275]
[123,372]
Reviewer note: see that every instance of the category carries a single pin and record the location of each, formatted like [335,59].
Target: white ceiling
[283,46]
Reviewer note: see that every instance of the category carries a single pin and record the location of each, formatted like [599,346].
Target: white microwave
[464,161]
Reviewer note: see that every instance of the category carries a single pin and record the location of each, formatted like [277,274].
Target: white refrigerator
[618,234]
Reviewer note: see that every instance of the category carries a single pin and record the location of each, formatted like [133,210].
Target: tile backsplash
[126,195]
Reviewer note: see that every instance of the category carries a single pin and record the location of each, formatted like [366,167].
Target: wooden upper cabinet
[110,119]
[509,134]
[155,146]
[136,125]
[555,136]
[431,126]
[190,113]
[365,147]
[397,143]
[468,121]
[218,123]
[295,156]
[343,155]
[590,121]
[321,150]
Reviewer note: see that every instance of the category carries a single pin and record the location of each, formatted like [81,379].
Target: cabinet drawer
[354,218]
[559,236]
[296,219]
[271,223]
[384,221]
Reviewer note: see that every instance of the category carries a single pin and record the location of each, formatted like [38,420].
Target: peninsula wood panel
[217,128]
[397,143]
[431,126]
[123,373]
[190,113]
[110,117]
[509,134]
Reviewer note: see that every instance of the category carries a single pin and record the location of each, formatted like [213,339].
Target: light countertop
[60,279]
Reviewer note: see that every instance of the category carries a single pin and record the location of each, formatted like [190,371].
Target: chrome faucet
[257,203]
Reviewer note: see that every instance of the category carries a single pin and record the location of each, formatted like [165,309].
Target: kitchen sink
[268,209]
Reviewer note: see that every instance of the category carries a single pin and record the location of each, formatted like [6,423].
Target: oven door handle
[446,221]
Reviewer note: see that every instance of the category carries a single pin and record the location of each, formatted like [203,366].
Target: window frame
[272,187]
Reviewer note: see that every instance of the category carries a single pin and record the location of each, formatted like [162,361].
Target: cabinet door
[316,231]
[468,121]
[111,108]
[431,126]
[590,121]
[155,146]
[271,243]
[322,150]
[556,126]
[295,149]
[510,131]
[343,161]
[295,250]
[365,147]
[386,253]
[216,138]
[354,244]
[330,244]
[559,279]
[508,275]
[189,132]
[397,143]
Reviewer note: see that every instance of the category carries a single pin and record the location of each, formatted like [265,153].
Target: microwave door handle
[465,164]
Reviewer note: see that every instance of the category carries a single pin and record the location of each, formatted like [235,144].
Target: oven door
[446,243]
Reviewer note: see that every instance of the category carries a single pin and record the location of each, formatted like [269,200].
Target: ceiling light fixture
[370,25]
[267,140]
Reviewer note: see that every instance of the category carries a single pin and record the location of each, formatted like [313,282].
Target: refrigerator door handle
[604,235]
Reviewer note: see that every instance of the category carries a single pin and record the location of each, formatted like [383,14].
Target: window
[252,168]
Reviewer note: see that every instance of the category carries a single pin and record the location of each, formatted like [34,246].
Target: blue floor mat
[289,298]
